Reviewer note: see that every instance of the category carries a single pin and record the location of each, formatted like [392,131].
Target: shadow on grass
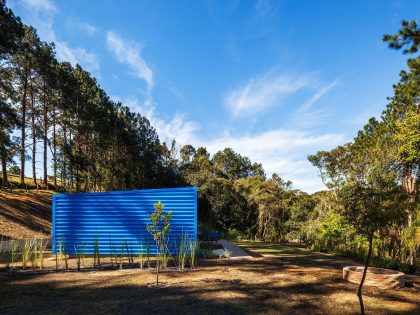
[208,296]
[28,210]
[289,281]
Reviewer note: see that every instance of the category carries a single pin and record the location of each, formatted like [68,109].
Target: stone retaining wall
[378,277]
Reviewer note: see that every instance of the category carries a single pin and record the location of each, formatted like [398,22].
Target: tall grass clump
[165,253]
[59,255]
[38,252]
[141,254]
[26,252]
[148,253]
[183,250]
[12,250]
[96,253]
[121,253]
[129,253]
[114,255]
[80,250]
[193,246]
[66,258]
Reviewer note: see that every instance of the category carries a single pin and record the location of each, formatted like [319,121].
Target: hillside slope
[25,214]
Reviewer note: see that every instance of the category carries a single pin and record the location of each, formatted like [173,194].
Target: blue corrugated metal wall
[119,217]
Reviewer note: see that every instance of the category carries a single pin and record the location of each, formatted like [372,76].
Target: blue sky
[274,80]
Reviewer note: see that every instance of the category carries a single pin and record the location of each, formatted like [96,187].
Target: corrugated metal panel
[119,217]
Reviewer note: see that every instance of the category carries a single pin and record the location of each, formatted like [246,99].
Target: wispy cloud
[77,55]
[74,24]
[88,28]
[305,116]
[318,94]
[264,8]
[41,15]
[129,53]
[40,5]
[176,127]
[265,91]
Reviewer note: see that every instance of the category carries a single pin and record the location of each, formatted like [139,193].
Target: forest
[88,142]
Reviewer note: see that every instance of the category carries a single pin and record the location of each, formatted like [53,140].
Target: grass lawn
[278,280]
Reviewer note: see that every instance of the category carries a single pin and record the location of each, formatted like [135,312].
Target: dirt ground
[25,214]
[278,280]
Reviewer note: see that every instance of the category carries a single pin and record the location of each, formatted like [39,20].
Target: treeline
[97,144]
[62,112]
[373,201]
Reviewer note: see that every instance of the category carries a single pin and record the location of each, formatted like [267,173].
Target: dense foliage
[95,143]
[374,180]
[98,144]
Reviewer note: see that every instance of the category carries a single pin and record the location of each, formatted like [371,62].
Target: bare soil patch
[25,214]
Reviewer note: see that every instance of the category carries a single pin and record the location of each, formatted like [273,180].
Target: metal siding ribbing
[120,217]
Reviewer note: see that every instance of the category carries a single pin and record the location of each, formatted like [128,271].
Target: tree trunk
[4,169]
[45,141]
[359,291]
[410,224]
[410,184]
[33,136]
[157,270]
[63,157]
[23,134]
[54,149]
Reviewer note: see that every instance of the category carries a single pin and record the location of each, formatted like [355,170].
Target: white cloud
[88,28]
[318,94]
[41,14]
[129,53]
[265,91]
[40,5]
[281,151]
[305,116]
[178,128]
[75,25]
[77,55]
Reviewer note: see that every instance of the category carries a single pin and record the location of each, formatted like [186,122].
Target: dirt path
[235,250]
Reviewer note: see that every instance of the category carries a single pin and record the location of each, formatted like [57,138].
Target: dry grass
[25,214]
[279,280]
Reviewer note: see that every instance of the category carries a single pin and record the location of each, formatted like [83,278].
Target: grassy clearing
[279,280]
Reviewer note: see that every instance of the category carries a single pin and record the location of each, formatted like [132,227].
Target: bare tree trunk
[359,291]
[45,141]
[64,167]
[71,170]
[410,184]
[23,134]
[54,149]
[410,224]
[157,269]
[33,136]
[4,169]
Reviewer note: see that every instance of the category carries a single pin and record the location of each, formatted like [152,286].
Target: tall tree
[24,61]
[403,115]
[11,31]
